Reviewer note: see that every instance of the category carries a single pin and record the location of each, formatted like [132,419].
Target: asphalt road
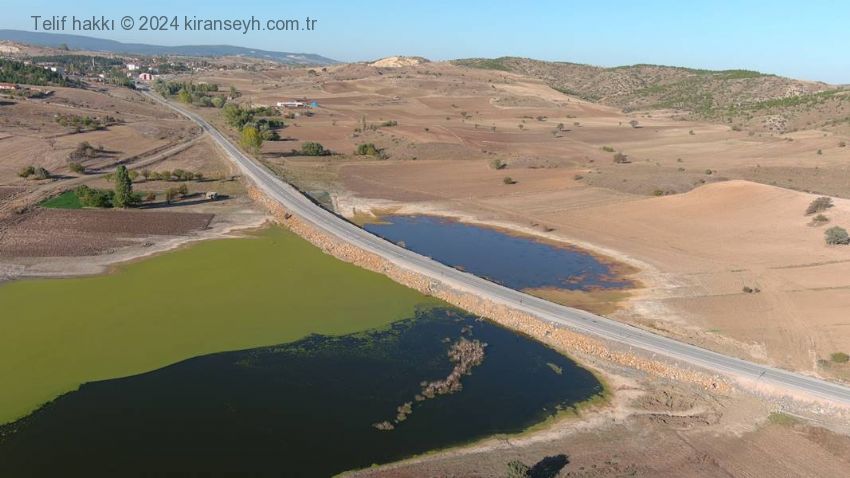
[577,320]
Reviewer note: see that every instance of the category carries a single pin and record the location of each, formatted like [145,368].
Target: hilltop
[747,99]
[79,42]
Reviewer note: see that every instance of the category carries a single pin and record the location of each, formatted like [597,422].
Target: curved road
[577,320]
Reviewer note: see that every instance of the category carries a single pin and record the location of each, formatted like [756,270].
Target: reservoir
[305,408]
[518,262]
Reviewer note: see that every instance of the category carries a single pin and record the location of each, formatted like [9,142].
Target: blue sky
[807,40]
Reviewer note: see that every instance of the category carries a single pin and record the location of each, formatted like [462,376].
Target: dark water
[515,262]
[302,409]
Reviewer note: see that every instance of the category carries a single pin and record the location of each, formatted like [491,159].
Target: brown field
[699,243]
[56,233]
[145,136]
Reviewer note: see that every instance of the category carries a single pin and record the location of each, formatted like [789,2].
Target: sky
[806,40]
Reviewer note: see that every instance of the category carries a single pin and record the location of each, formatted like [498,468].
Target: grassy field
[228,294]
[66,200]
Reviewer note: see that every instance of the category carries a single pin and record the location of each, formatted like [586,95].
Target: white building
[291,104]
[132,67]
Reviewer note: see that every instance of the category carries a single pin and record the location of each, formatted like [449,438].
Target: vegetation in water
[218,295]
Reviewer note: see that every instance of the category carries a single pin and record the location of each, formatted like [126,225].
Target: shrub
[27,172]
[842,144]
[77,167]
[709,172]
[498,164]
[41,173]
[608,149]
[820,152]
[367,149]
[518,469]
[509,180]
[837,236]
[183,190]
[90,197]
[313,149]
[170,194]
[819,205]
[839,357]
[634,123]
[621,158]
[820,219]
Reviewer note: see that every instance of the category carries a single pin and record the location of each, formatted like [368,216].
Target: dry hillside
[744,98]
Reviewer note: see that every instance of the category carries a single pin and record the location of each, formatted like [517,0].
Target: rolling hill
[79,42]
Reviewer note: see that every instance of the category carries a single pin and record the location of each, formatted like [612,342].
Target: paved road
[577,320]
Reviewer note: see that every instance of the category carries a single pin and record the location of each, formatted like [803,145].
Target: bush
[837,236]
[498,164]
[27,172]
[819,205]
[41,173]
[518,469]
[621,158]
[367,149]
[183,190]
[77,167]
[509,180]
[842,144]
[839,357]
[314,149]
[90,197]
[608,149]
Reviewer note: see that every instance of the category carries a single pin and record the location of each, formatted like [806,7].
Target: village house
[8,86]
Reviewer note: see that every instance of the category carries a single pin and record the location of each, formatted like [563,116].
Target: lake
[518,262]
[306,408]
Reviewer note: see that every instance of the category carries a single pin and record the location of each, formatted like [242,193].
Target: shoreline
[83,266]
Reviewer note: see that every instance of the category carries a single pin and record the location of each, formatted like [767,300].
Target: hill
[747,99]
[80,42]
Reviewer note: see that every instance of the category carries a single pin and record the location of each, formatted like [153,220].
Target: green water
[306,408]
[215,296]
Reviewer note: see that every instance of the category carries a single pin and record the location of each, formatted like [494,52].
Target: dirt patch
[55,233]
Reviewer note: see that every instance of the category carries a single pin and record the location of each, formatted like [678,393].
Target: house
[145,77]
[8,86]
[132,67]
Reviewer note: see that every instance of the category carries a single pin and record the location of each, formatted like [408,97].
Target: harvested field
[56,232]
[700,242]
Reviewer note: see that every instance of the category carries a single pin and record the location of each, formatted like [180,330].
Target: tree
[367,149]
[314,149]
[837,236]
[251,139]
[123,188]
[819,205]
[41,173]
[27,171]
[518,469]
[184,96]
[217,101]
